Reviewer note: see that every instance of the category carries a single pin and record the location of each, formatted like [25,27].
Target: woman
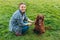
[19,22]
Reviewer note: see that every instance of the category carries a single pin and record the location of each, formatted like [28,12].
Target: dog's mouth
[39,24]
[40,21]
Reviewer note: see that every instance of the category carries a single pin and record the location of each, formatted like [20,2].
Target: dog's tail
[48,28]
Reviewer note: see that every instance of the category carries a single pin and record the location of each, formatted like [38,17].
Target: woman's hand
[32,21]
[29,24]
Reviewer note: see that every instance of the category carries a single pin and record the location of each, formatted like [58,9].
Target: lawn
[49,8]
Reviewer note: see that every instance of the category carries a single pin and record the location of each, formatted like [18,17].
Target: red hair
[21,3]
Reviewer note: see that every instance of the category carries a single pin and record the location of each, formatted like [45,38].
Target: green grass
[49,8]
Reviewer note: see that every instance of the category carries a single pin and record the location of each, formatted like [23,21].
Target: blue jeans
[24,29]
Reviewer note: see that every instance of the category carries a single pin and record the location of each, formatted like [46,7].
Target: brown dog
[39,24]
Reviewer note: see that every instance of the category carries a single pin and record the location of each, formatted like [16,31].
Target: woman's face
[22,7]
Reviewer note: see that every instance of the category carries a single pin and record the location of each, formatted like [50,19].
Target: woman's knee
[26,27]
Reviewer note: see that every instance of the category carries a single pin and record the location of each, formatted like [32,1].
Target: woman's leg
[24,29]
[17,30]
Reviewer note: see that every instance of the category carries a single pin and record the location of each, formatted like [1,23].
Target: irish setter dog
[39,24]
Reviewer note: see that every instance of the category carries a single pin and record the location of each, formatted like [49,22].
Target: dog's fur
[39,24]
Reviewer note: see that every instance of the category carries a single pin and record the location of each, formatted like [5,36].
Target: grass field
[49,8]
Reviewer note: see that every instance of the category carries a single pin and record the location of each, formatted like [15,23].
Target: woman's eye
[22,7]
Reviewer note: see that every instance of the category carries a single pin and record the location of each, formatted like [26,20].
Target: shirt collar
[22,12]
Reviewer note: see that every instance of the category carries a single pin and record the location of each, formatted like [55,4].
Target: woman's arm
[30,21]
[27,19]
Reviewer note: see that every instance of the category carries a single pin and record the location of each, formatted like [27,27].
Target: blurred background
[49,8]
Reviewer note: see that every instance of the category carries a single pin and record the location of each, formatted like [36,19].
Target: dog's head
[39,19]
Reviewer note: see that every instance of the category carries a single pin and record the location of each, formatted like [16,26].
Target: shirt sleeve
[26,18]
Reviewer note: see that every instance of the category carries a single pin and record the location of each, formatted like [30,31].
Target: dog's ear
[37,19]
[43,17]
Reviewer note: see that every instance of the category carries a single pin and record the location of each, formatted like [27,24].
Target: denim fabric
[24,29]
[21,30]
